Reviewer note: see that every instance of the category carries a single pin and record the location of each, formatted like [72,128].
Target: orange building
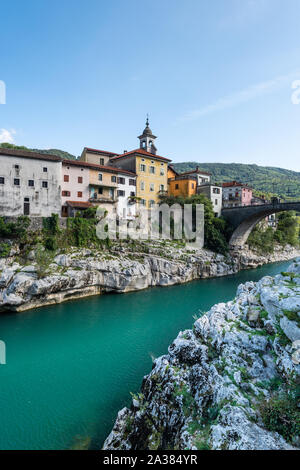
[185,184]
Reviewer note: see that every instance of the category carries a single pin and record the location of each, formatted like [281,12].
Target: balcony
[103,199]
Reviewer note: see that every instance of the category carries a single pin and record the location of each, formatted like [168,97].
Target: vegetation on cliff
[286,232]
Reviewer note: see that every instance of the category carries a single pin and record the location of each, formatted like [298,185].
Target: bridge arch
[244,219]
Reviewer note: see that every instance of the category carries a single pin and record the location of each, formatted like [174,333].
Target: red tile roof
[231,184]
[79,204]
[140,152]
[195,171]
[28,154]
[112,169]
[101,152]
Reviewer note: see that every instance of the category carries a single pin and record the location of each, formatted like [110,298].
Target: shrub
[4,250]
[43,259]
[281,414]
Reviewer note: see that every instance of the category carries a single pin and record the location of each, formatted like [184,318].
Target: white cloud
[7,136]
[242,96]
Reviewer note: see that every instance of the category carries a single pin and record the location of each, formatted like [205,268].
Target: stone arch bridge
[244,219]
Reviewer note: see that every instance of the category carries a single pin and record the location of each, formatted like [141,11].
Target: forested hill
[59,153]
[269,180]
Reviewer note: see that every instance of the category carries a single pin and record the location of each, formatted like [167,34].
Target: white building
[30,183]
[75,191]
[126,193]
[214,193]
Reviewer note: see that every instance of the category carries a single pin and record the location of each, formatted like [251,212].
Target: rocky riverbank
[231,382]
[39,281]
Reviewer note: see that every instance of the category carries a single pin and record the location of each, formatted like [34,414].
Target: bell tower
[147,139]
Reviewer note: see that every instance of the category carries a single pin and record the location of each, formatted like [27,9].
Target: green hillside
[59,153]
[267,180]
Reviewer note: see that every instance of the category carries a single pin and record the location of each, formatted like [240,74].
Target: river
[72,366]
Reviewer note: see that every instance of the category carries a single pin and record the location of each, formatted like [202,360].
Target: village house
[75,187]
[30,183]
[195,182]
[214,193]
[236,194]
[151,170]
[98,157]
[186,184]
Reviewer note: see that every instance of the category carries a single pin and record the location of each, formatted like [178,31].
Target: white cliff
[230,382]
[80,273]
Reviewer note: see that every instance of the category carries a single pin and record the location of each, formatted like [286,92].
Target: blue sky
[215,77]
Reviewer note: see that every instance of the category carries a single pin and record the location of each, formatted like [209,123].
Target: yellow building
[151,169]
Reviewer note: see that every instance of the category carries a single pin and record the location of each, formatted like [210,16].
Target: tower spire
[147,139]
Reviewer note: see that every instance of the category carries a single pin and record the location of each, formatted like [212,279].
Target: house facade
[236,194]
[75,187]
[184,186]
[214,193]
[97,157]
[126,193]
[30,183]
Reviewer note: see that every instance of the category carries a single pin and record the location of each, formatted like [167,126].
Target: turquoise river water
[72,366]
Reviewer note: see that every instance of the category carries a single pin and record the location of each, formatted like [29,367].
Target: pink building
[75,187]
[236,194]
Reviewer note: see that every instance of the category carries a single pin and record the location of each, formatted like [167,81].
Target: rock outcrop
[212,389]
[82,273]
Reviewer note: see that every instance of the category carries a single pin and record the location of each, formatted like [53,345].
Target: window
[101,161]
[80,179]
[31,183]
[66,193]
[143,202]
[152,170]
[16,167]
[45,169]
[151,203]
[162,187]
[121,180]
[2,180]
[132,193]
[113,179]
[66,178]
[162,172]
[193,185]
[79,194]
[99,176]
[44,184]
[176,186]
[16,182]
[142,167]
[121,192]
[132,182]
[142,186]
[216,190]
[151,187]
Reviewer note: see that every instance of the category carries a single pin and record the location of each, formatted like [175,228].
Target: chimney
[125,151]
